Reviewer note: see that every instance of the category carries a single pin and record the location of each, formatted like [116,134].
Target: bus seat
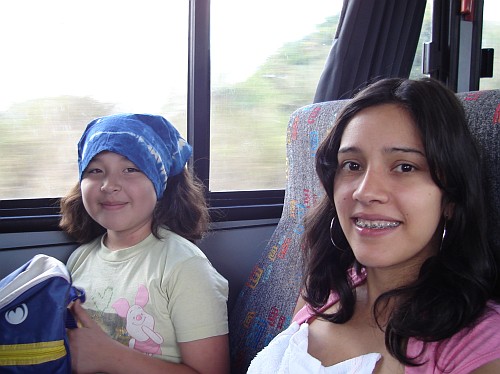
[265,305]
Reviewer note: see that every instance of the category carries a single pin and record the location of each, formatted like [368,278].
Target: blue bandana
[149,141]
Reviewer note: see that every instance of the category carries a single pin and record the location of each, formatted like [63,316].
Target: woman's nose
[373,187]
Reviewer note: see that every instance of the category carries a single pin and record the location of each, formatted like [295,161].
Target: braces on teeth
[376,224]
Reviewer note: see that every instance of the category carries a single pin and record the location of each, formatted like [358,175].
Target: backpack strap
[75,293]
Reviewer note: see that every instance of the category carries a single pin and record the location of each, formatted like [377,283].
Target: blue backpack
[34,317]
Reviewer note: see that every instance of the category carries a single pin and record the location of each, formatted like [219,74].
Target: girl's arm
[92,350]
[210,355]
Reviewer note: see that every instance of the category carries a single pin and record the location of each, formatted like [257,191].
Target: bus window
[266,60]
[65,63]
[491,39]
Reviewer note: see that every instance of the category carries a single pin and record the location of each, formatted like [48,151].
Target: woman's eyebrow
[404,150]
[354,149]
[350,149]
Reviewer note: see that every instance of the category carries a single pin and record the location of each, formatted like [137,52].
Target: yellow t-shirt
[152,295]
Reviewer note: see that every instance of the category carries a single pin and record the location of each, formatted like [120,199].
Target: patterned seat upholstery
[266,302]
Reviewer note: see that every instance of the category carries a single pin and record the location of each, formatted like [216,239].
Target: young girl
[399,277]
[154,301]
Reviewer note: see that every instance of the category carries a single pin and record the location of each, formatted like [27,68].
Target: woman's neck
[379,281]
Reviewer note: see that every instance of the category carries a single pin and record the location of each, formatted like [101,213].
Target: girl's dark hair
[452,287]
[183,209]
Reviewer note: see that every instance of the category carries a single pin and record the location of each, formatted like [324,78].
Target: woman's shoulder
[487,323]
[469,348]
[306,312]
[493,307]
[491,317]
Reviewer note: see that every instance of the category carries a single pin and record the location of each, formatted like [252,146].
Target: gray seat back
[266,303]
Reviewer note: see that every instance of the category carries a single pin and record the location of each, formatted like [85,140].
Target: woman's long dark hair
[182,208]
[452,287]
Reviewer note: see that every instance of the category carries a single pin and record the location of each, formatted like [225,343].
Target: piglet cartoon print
[139,324]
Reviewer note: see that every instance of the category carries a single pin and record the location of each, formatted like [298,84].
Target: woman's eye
[405,168]
[351,166]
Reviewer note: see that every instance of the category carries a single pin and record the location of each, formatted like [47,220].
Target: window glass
[425,37]
[491,39]
[266,61]
[65,63]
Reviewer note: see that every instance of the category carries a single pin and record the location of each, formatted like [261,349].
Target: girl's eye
[405,168]
[93,171]
[351,166]
[132,170]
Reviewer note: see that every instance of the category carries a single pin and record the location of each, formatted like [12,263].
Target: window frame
[236,205]
[21,215]
[454,53]
[43,214]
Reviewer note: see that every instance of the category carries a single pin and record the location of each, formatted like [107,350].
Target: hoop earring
[443,236]
[331,236]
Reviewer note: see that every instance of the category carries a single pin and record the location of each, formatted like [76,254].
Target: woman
[398,276]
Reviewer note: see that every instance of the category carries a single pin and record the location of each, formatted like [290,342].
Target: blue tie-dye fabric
[151,142]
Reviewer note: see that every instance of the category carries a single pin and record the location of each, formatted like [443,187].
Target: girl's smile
[119,197]
[113,205]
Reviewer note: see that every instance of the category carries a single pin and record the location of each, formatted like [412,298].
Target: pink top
[465,351]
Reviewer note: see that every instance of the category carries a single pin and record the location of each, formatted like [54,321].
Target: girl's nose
[373,187]
[110,184]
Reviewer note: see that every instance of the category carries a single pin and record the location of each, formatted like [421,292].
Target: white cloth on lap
[287,354]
